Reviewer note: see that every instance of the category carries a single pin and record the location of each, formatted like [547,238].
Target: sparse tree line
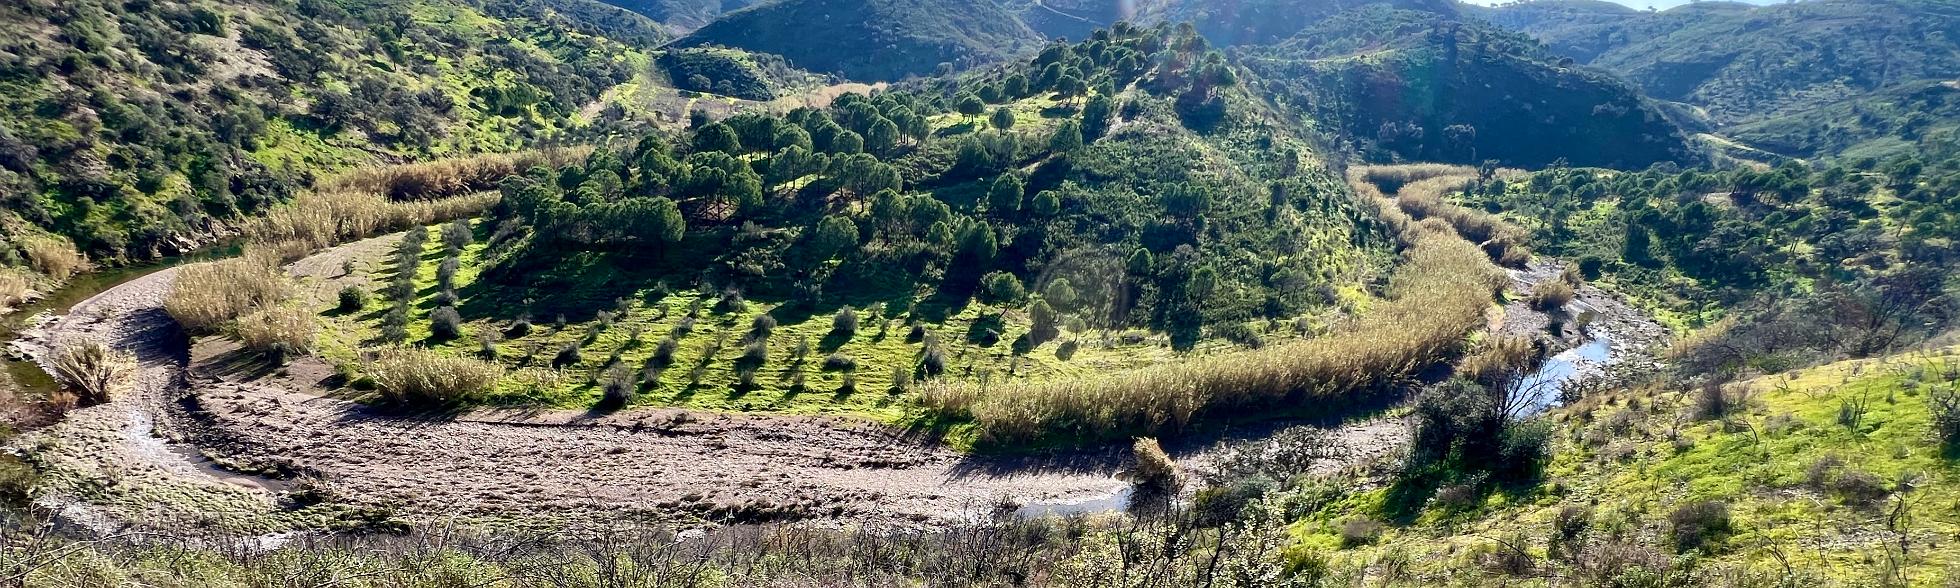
[1780,267]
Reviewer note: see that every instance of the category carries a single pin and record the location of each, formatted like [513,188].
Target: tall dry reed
[92,368]
[1436,299]
[420,377]
[453,177]
[207,295]
[319,220]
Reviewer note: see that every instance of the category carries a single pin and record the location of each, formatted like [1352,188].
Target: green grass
[1634,457]
[880,347]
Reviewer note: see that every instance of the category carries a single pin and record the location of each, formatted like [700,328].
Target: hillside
[1772,66]
[1401,84]
[681,16]
[136,133]
[1228,23]
[872,40]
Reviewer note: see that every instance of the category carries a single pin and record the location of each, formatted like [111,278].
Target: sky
[1640,4]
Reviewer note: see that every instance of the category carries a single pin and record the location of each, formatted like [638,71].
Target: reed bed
[1392,178]
[421,377]
[448,178]
[1436,299]
[1421,193]
[207,295]
[319,220]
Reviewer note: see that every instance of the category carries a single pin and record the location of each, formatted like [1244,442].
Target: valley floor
[333,462]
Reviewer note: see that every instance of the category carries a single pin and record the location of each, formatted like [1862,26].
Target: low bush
[445,323]
[619,387]
[663,352]
[14,286]
[278,331]
[762,326]
[1551,295]
[420,377]
[838,362]
[1697,525]
[845,322]
[92,369]
[353,299]
[1001,288]
[1945,403]
[205,296]
[569,355]
[1360,530]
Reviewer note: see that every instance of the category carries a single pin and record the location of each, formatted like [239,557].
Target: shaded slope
[1410,85]
[872,39]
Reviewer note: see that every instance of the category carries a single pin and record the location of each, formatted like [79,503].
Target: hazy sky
[1641,4]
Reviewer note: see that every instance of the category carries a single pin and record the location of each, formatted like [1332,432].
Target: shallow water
[1544,385]
[1116,500]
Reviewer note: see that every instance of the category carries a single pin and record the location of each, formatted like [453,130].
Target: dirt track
[519,466]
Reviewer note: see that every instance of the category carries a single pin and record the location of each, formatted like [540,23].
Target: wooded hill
[1807,78]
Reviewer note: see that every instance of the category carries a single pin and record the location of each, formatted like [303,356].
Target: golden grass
[1421,193]
[453,177]
[420,377]
[207,295]
[1436,299]
[1392,178]
[14,287]
[279,329]
[318,220]
[90,367]
[52,256]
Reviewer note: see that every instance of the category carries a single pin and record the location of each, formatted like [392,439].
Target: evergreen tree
[1004,198]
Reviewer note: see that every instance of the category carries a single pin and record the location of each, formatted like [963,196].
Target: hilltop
[872,40]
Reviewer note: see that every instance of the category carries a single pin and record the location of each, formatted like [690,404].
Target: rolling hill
[137,133]
[872,40]
[1402,84]
[1765,67]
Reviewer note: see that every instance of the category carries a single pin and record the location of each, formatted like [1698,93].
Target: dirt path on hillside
[139,459]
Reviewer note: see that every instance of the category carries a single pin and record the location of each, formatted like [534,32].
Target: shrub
[456,235]
[1360,530]
[519,328]
[663,352]
[762,326]
[205,296]
[445,323]
[901,378]
[487,339]
[569,355]
[1552,295]
[934,361]
[420,377]
[446,272]
[838,362]
[279,331]
[1699,524]
[91,368]
[731,301]
[353,298]
[1001,288]
[619,387]
[756,353]
[1154,471]
[1859,488]
[1945,402]
[845,322]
